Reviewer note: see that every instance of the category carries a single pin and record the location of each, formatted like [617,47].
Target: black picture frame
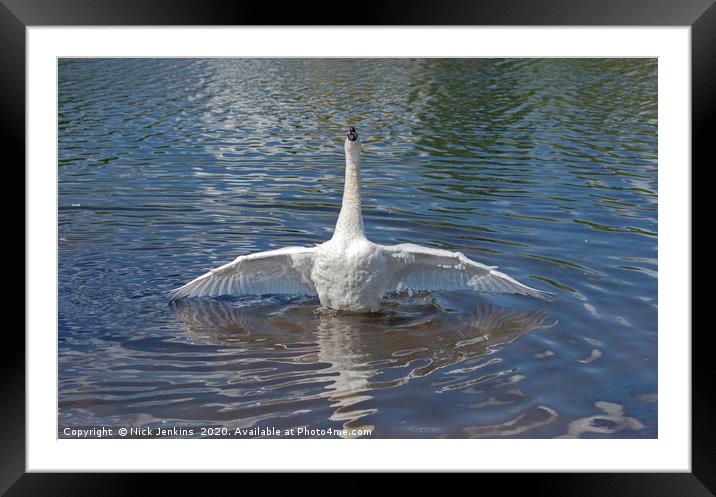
[700,15]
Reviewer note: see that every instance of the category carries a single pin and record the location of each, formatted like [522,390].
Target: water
[544,167]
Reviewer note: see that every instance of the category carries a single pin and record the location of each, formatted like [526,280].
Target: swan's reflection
[357,354]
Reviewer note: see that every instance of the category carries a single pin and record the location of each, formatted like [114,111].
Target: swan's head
[352,135]
[353,144]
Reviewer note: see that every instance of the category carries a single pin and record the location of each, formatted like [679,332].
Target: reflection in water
[358,353]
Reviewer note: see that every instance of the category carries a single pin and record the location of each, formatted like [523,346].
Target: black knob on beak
[352,135]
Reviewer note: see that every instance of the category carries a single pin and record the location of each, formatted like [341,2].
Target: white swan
[349,272]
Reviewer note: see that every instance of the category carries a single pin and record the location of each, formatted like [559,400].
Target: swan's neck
[350,220]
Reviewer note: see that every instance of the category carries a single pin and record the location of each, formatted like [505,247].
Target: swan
[349,272]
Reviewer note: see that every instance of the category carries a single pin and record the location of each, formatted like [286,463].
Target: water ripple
[544,167]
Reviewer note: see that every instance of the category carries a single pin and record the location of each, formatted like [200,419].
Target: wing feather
[286,270]
[423,268]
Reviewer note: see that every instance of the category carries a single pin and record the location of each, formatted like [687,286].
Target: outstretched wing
[286,270]
[422,268]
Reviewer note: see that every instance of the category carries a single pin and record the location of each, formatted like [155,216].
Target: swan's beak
[352,135]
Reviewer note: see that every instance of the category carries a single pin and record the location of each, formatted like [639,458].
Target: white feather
[423,268]
[286,270]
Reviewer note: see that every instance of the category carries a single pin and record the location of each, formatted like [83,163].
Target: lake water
[544,167]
